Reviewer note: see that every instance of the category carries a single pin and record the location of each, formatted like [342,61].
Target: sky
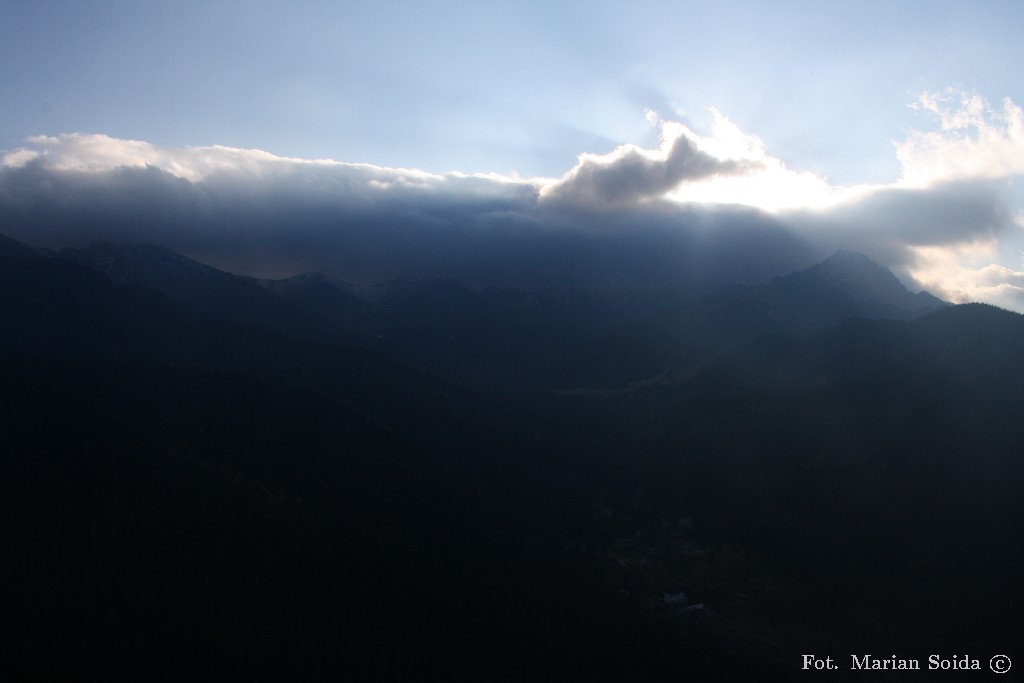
[530,144]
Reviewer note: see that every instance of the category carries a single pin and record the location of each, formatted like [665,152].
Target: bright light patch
[775,188]
[771,186]
[19,158]
[727,141]
[967,273]
[973,140]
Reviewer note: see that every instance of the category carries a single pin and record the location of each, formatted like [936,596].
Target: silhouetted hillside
[878,459]
[192,523]
[187,281]
[845,285]
[493,484]
[489,337]
[59,309]
[511,338]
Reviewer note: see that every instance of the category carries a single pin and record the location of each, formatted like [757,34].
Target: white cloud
[97,153]
[968,274]
[973,140]
[976,142]
[762,181]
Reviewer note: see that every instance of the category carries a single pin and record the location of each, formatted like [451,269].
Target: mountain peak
[858,277]
[134,264]
[846,284]
[847,259]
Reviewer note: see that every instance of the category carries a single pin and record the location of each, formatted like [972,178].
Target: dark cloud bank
[471,229]
[602,226]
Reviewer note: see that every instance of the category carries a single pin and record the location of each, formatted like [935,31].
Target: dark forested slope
[191,493]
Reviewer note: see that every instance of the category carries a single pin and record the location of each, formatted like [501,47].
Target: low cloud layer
[696,209]
[254,213]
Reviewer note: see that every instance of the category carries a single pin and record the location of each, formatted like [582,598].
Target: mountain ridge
[507,337]
[846,284]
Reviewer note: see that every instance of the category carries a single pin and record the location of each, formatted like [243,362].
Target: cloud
[974,140]
[955,191]
[889,223]
[969,275]
[252,212]
[694,210]
[630,174]
[967,248]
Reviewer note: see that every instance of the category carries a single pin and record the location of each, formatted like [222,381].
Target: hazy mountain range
[492,336]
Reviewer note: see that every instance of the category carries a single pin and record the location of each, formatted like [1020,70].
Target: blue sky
[498,87]
[844,93]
